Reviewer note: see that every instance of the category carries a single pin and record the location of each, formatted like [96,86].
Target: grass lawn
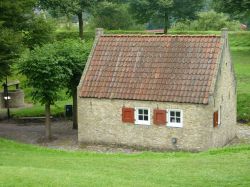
[241,60]
[27,165]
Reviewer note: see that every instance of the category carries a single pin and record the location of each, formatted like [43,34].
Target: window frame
[142,122]
[174,124]
[219,116]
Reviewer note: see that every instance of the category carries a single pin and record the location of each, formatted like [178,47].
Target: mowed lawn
[27,165]
[241,60]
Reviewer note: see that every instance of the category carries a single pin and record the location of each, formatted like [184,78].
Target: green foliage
[40,31]
[17,19]
[73,56]
[144,10]
[239,9]
[110,15]
[44,73]
[15,13]
[9,49]
[52,67]
[28,165]
[69,7]
[61,35]
[208,21]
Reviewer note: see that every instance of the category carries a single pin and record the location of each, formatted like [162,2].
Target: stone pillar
[224,33]
[99,32]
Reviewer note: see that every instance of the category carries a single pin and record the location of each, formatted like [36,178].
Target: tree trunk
[47,122]
[166,22]
[80,21]
[75,116]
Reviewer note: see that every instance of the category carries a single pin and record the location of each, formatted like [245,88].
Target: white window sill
[142,123]
[177,125]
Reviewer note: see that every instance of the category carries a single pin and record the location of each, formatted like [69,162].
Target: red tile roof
[155,68]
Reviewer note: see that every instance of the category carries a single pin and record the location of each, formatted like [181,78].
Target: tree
[15,13]
[73,56]
[9,50]
[67,7]
[13,17]
[18,25]
[110,15]
[39,31]
[210,20]
[44,75]
[238,9]
[51,68]
[144,10]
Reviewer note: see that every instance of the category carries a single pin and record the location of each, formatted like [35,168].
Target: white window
[219,116]
[175,118]
[142,116]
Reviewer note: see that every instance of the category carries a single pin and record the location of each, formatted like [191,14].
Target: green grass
[57,110]
[241,61]
[27,165]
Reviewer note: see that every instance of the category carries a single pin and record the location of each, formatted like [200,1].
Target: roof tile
[156,68]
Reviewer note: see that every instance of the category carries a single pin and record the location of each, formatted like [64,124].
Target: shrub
[210,20]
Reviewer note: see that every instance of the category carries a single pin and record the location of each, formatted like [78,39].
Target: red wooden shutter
[216,119]
[159,117]
[128,115]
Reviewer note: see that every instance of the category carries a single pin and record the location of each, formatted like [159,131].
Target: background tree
[111,15]
[210,20]
[238,9]
[44,75]
[19,26]
[67,7]
[13,17]
[39,31]
[9,50]
[168,10]
[15,13]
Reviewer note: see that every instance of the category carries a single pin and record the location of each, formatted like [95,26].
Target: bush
[61,35]
[210,20]
[110,15]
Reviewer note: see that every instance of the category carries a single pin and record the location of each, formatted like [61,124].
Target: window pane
[178,120]
[178,114]
[140,111]
[146,118]
[145,111]
[172,119]
[172,113]
[140,117]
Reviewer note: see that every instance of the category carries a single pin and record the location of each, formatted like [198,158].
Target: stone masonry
[100,120]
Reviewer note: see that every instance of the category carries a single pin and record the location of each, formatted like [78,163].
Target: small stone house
[167,92]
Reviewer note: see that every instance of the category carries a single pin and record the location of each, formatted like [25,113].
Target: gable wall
[225,97]
[100,122]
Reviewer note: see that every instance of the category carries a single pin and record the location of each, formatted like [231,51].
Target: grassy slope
[241,61]
[26,165]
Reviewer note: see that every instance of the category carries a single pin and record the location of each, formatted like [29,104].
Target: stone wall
[16,101]
[225,100]
[100,122]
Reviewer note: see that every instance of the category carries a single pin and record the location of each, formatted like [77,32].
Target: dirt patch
[64,137]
